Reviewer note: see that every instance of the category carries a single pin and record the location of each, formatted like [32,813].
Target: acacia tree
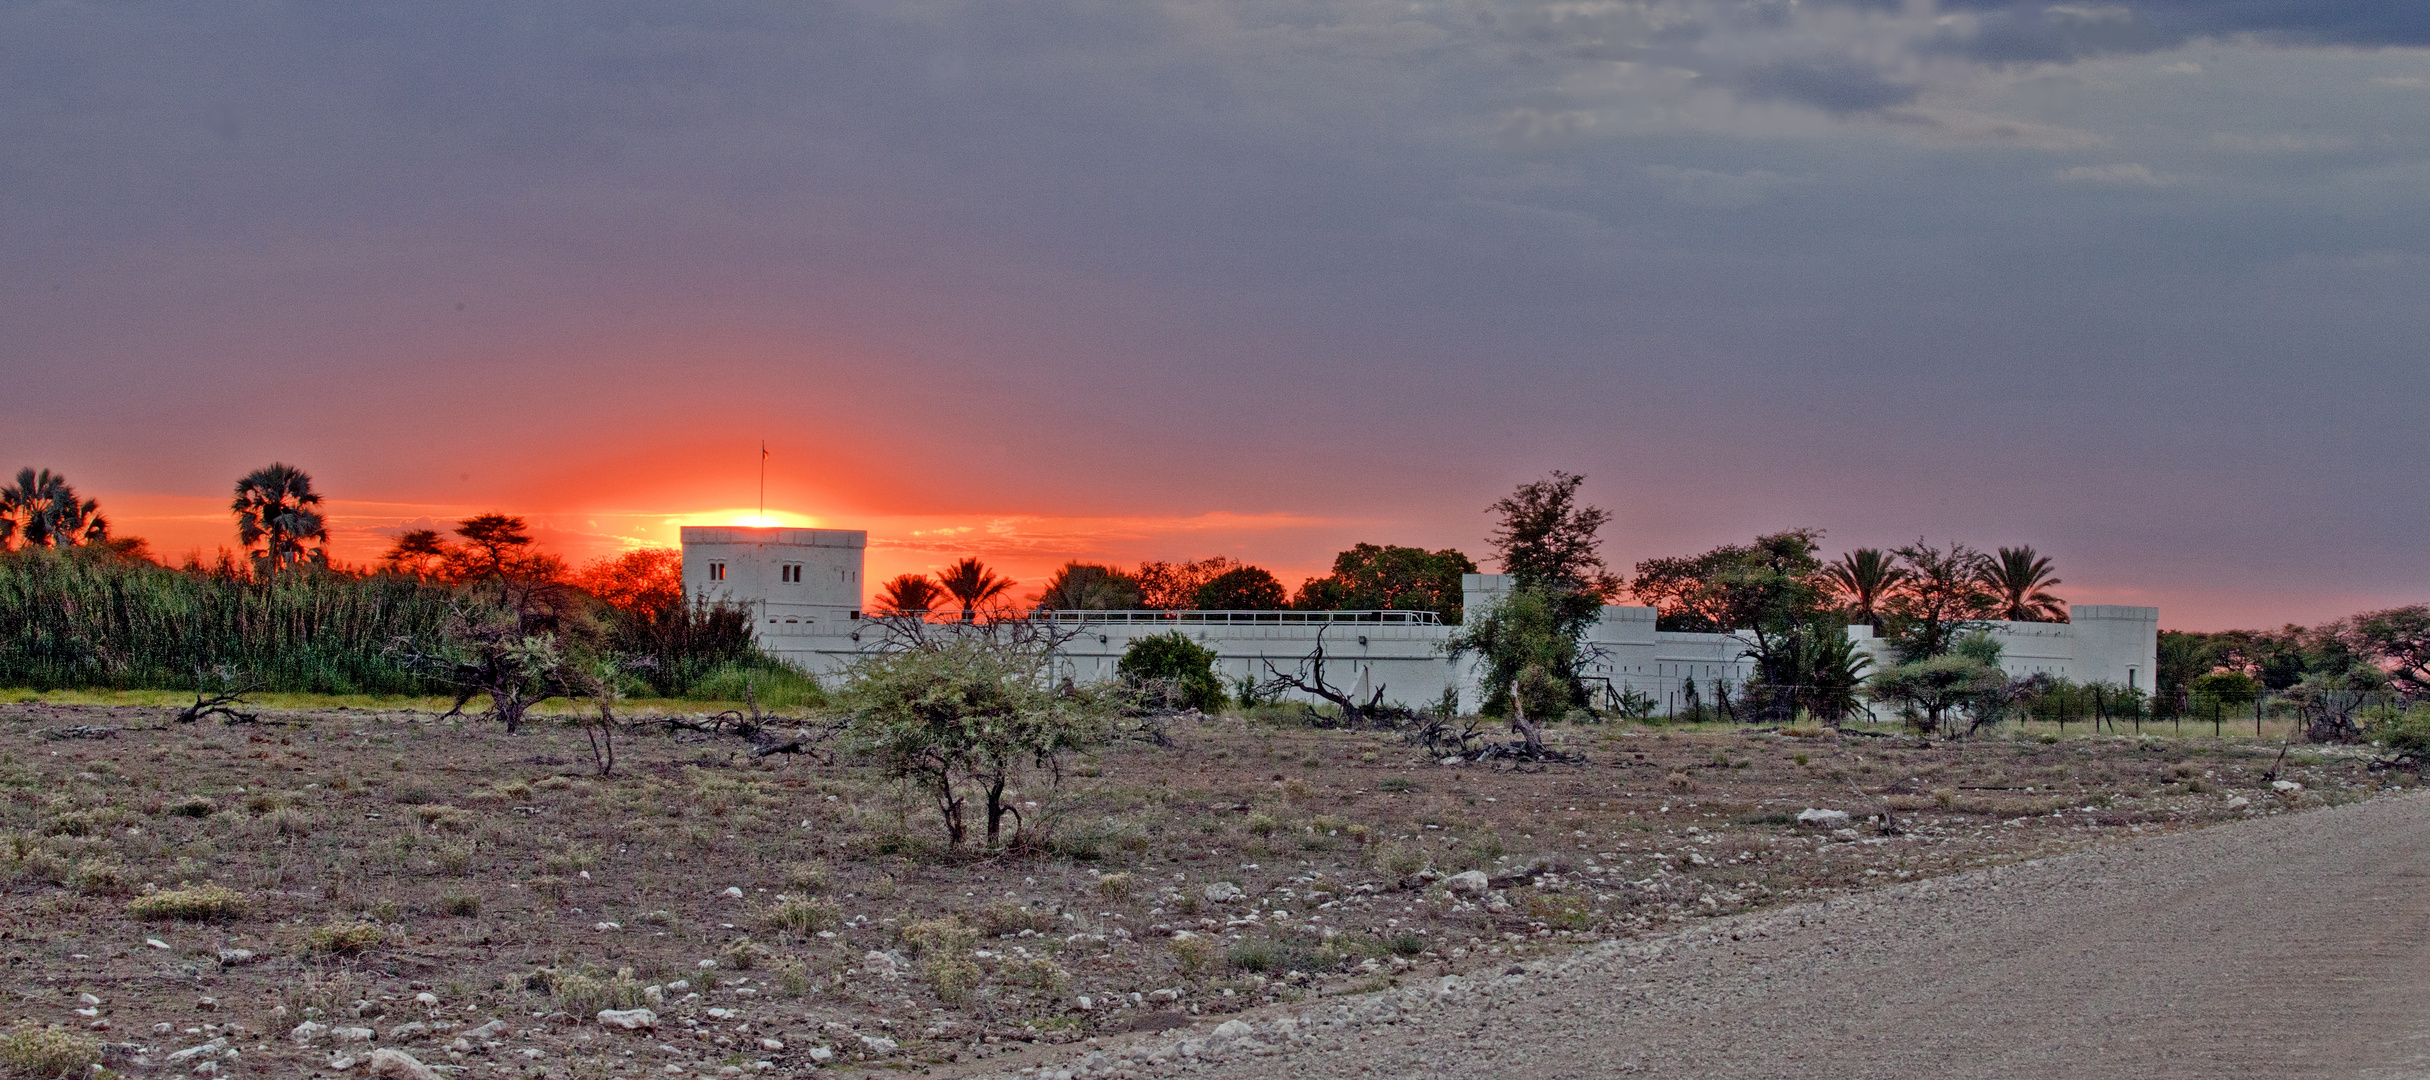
[2399,639]
[273,507]
[1941,600]
[419,552]
[973,584]
[963,712]
[1865,577]
[1546,539]
[1933,691]
[499,547]
[2018,580]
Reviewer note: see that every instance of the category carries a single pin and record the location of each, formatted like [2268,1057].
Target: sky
[2140,285]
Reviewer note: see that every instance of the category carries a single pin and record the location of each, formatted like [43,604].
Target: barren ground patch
[367,858]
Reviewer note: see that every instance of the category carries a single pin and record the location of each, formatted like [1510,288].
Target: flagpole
[763,482]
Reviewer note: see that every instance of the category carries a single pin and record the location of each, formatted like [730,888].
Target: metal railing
[1193,618]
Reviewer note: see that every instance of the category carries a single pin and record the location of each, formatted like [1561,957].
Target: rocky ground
[286,897]
[2286,947]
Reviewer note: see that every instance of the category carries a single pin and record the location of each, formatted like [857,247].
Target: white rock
[1823,819]
[733,892]
[1087,1003]
[606,926]
[821,1054]
[408,1032]
[1230,1032]
[156,943]
[2238,802]
[1223,892]
[387,1064]
[2285,785]
[341,1063]
[771,1044]
[308,1031]
[235,957]
[877,1044]
[352,1034]
[654,995]
[628,1019]
[87,999]
[1851,834]
[491,1030]
[426,999]
[1472,882]
[209,1049]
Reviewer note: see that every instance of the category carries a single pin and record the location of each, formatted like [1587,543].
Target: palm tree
[271,506]
[2019,577]
[1080,586]
[973,584]
[43,509]
[1866,575]
[908,594]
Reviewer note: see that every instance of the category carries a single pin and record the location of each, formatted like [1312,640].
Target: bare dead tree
[1353,711]
[222,702]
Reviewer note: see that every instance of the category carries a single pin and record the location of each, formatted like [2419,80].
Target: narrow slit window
[717,571]
[792,573]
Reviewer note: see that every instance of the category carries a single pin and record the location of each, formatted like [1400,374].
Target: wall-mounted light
[1362,639]
[1103,639]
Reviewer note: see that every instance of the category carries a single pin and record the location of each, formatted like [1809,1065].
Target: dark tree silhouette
[2018,577]
[908,594]
[273,507]
[971,583]
[1865,577]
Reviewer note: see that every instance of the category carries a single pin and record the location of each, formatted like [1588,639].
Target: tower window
[717,571]
[792,572]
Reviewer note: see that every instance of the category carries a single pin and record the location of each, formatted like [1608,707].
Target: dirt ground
[404,881]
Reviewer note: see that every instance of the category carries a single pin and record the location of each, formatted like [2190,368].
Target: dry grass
[46,1052]
[504,881]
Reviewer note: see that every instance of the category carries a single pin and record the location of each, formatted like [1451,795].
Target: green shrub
[801,916]
[771,682]
[461,904]
[194,903]
[584,994]
[337,939]
[1173,659]
[48,1052]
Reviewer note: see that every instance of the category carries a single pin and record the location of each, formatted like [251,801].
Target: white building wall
[815,622]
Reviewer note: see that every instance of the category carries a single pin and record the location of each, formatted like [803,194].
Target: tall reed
[81,618]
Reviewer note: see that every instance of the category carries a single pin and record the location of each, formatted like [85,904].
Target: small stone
[2238,802]
[342,1062]
[1086,1003]
[408,1032]
[877,1044]
[1851,834]
[308,1031]
[426,999]
[606,926]
[1230,1032]
[235,957]
[2289,786]
[209,1049]
[1223,892]
[1469,882]
[156,943]
[491,1030]
[628,1019]
[87,999]
[352,1034]
[1823,819]
[206,1004]
[821,1054]
[388,1064]
[771,1044]
[733,892]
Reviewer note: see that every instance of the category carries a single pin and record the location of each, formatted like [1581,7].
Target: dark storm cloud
[2010,31]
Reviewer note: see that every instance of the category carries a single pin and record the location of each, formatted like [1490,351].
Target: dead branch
[222,704]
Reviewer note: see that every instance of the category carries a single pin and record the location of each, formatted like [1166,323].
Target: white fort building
[805,587]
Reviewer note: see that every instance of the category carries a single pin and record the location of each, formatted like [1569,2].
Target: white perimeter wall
[815,623]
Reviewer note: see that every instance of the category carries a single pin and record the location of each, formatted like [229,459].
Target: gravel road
[2296,945]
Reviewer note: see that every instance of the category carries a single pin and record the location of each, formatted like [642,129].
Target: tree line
[1367,577]
[478,607]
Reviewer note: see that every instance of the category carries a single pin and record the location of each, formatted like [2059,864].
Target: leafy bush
[337,939]
[584,994]
[801,916]
[194,903]
[1175,659]
[48,1052]
[773,683]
